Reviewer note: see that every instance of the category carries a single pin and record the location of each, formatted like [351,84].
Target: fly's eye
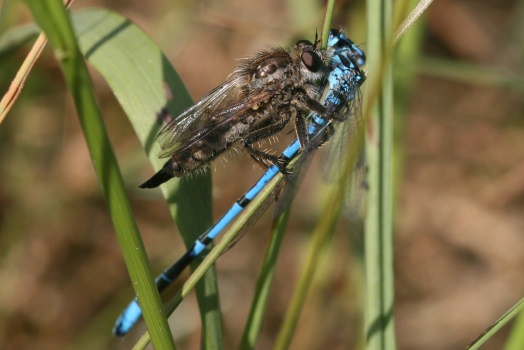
[265,71]
[303,43]
[311,60]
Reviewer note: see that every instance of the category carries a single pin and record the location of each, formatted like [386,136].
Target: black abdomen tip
[159,178]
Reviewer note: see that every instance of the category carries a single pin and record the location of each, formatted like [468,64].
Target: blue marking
[197,249]
[127,319]
[165,278]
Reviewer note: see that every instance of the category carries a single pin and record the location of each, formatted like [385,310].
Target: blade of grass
[52,17]
[143,80]
[330,7]
[379,322]
[488,333]
[318,244]
[516,337]
[263,287]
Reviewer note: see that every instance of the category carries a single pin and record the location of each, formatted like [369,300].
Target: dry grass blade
[410,19]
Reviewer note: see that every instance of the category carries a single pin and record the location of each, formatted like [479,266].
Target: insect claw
[282,164]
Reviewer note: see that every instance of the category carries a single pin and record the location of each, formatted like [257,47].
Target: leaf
[147,86]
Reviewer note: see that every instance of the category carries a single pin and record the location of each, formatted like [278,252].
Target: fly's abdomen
[190,158]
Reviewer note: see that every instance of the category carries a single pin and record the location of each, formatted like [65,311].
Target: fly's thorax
[265,69]
[277,68]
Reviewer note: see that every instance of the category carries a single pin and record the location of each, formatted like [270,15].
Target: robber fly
[255,102]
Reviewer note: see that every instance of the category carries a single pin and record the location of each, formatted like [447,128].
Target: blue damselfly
[341,82]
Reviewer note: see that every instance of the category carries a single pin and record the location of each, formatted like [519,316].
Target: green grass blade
[263,287]
[514,342]
[53,18]
[516,338]
[319,242]
[327,22]
[142,80]
[379,323]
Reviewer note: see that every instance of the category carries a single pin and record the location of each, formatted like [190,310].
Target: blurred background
[459,230]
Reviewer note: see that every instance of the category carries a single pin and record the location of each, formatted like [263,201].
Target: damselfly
[343,79]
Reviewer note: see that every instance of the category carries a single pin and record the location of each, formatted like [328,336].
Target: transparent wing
[354,199]
[184,126]
[348,141]
[220,117]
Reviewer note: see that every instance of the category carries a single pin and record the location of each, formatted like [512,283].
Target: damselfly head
[337,40]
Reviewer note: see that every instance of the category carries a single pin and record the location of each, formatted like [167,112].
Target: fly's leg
[301,129]
[262,131]
[326,135]
[301,106]
[304,103]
